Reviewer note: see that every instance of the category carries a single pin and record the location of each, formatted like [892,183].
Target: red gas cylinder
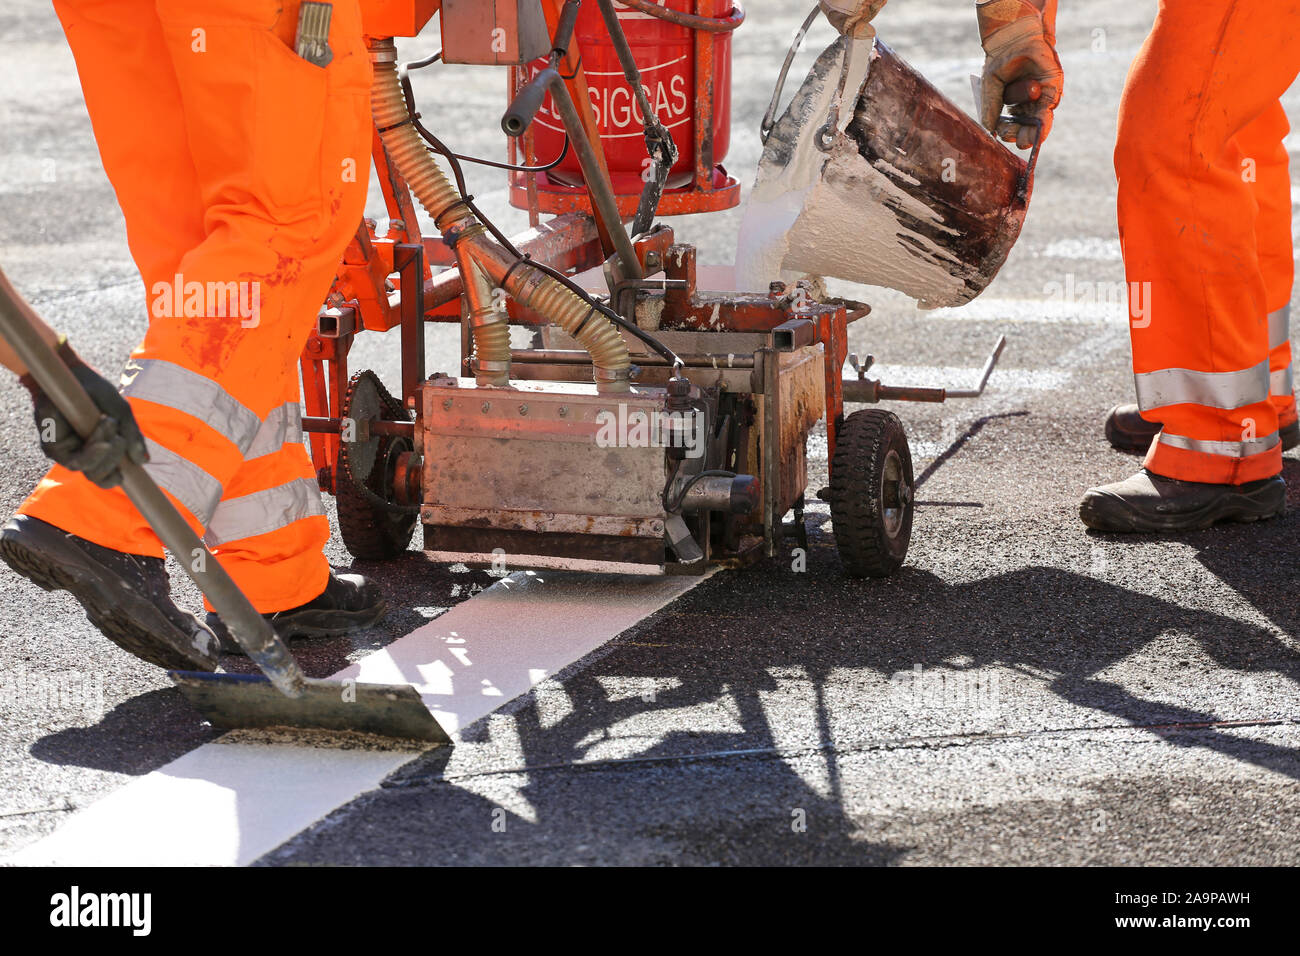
[686,72]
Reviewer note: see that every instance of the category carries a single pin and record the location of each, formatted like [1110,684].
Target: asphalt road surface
[1021,692]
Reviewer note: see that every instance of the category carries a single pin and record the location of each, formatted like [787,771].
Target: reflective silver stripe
[193,487]
[263,511]
[1173,386]
[282,427]
[1224,449]
[169,384]
[1279,326]
[1281,382]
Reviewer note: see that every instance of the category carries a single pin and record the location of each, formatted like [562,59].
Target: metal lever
[869,390]
[984,376]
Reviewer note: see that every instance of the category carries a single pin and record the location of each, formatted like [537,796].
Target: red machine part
[686,72]
[396,18]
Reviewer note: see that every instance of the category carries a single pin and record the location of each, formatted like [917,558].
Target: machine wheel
[871,493]
[365,477]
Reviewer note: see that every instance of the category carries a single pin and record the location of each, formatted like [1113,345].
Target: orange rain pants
[241,170]
[1205,223]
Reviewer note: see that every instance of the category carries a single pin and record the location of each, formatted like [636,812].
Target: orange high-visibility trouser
[1205,224]
[241,170]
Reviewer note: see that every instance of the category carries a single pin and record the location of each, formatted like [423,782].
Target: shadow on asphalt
[721,643]
[116,744]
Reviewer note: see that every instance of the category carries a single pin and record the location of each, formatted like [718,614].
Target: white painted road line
[230,802]
[1085,249]
[513,635]
[1087,304]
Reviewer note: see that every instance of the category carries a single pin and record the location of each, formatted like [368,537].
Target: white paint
[220,805]
[852,227]
[791,168]
[514,633]
[834,214]
[231,801]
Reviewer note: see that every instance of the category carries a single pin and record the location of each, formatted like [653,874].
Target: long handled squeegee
[282,698]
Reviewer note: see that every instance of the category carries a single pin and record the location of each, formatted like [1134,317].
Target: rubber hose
[529,286]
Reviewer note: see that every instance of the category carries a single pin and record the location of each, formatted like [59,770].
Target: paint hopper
[899,188]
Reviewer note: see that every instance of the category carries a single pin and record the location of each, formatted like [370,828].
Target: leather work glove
[115,438]
[1019,39]
[852,17]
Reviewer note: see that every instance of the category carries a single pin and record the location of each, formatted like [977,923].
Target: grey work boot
[349,603]
[1150,502]
[126,596]
[1127,430]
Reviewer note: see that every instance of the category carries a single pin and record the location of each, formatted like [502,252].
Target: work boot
[349,603]
[1289,435]
[126,596]
[1127,430]
[1151,502]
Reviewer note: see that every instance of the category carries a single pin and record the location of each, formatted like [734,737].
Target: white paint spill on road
[230,802]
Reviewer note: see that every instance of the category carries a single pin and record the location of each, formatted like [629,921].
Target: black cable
[421,64]
[412,116]
[517,168]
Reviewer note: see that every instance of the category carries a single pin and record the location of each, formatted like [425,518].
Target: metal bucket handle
[1027,177]
[769,118]
[825,135]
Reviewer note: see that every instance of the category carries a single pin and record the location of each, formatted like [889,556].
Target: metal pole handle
[769,118]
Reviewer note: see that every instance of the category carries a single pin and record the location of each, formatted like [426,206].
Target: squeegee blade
[245,701]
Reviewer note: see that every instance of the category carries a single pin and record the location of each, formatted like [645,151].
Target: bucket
[906,190]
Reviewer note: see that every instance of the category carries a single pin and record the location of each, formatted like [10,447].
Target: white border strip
[230,802]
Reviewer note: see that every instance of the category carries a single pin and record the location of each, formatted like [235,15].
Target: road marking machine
[656,426]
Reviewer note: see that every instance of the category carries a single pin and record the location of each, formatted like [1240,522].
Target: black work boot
[126,596]
[349,603]
[1151,502]
[1127,430]
[1290,435]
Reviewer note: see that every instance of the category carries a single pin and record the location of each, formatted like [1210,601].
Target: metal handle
[978,390]
[1025,91]
[249,628]
[769,118]
[523,108]
[869,390]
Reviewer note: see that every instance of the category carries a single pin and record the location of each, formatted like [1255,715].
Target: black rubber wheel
[871,493]
[368,532]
